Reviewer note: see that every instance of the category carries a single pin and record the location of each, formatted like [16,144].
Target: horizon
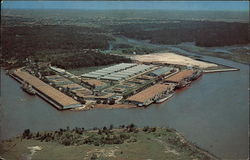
[129,5]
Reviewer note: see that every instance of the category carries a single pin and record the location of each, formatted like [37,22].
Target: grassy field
[160,144]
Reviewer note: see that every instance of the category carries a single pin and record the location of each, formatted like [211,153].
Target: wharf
[58,99]
[221,70]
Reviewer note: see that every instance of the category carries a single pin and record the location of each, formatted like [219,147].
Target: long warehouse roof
[149,93]
[46,89]
[180,76]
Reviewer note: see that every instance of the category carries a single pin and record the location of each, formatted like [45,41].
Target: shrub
[26,133]
[93,157]
[66,141]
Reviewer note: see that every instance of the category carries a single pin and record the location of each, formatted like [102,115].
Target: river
[212,112]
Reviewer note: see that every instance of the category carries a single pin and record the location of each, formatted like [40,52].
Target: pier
[53,96]
[221,70]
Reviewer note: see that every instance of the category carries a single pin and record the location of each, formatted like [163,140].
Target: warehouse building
[182,78]
[163,71]
[118,72]
[151,94]
[106,71]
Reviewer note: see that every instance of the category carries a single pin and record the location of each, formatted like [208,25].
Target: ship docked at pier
[163,99]
[28,88]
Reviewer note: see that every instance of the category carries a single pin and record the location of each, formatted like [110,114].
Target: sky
[120,5]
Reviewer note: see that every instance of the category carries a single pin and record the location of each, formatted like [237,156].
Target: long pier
[221,70]
[58,99]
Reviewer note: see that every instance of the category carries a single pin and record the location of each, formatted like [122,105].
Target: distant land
[123,5]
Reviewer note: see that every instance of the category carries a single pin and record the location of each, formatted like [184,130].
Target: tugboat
[28,89]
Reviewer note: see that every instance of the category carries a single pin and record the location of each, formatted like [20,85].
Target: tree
[98,101]
[26,133]
[112,101]
[111,127]
[105,101]
[37,134]
[66,141]
[145,129]
[93,157]
[104,128]
[67,128]
[82,101]
[99,131]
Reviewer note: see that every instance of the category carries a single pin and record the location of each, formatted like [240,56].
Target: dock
[53,96]
[221,70]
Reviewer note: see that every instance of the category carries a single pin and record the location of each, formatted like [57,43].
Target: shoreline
[170,141]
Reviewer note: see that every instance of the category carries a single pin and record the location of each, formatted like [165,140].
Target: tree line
[203,33]
[79,136]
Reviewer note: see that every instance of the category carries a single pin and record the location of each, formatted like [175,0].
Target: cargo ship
[183,84]
[164,98]
[28,88]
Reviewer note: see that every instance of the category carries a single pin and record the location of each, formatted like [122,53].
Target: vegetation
[204,33]
[71,41]
[23,41]
[90,58]
[64,46]
[125,142]
[79,136]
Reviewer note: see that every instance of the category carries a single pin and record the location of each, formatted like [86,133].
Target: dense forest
[203,33]
[73,45]
[24,41]
[90,58]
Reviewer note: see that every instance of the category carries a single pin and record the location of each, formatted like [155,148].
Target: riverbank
[126,142]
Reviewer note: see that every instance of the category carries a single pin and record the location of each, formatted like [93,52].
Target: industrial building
[118,72]
[161,71]
[58,80]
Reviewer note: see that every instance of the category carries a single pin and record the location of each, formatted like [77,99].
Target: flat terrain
[149,143]
[172,58]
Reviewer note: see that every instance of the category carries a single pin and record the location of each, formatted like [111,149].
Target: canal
[212,112]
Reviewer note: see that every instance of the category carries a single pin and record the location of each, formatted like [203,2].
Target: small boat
[164,98]
[28,89]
